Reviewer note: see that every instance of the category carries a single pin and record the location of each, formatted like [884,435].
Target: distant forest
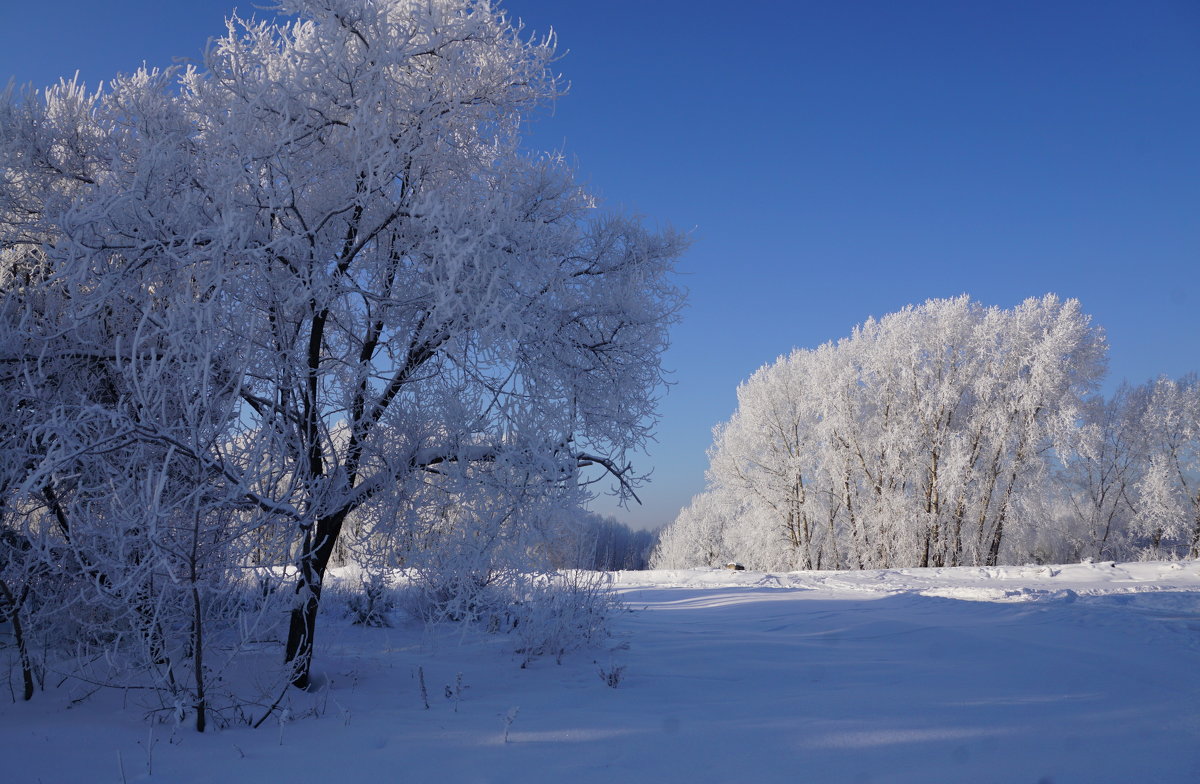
[948,434]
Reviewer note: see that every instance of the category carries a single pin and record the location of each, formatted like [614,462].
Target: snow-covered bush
[561,612]
[371,601]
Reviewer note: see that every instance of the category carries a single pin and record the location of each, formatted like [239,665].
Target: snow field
[1075,673]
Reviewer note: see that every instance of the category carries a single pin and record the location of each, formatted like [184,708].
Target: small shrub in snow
[548,613]
[372,602]
[562,612]
[509,717]
[612,675]
[455,692]
[421,685]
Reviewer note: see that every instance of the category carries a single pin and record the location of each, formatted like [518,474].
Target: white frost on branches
[947,434]
[314,288]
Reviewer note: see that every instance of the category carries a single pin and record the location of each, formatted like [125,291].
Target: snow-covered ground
[1079,673]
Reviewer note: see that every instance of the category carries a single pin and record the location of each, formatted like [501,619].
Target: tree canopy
[947,434]
[318,281]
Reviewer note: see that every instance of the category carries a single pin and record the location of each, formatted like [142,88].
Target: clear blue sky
[835,160]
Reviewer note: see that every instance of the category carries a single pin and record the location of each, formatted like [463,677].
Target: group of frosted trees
[948,434]
[600,543]
[309,301]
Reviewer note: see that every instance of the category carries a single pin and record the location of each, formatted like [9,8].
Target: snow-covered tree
[332,235]
[765,453]
[919,440]
[1168,493]
[698,535]
[1101,463]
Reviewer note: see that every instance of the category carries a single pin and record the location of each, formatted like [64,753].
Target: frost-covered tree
[1102,461]
[575,538]
[698,536]
[1128,477]
[920,440]
[765,454]
[610,545]
[330,233]
[1168,493]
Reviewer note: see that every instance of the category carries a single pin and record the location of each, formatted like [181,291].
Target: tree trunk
[993,553]
[303,624]
[198,658]
[1194,550]
[13,611]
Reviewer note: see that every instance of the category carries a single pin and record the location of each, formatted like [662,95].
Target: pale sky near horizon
[834,161]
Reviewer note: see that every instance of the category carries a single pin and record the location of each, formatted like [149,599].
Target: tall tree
[404,302]
[1104,461]
[1169,490]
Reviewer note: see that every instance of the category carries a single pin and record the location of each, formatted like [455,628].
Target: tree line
[948,434]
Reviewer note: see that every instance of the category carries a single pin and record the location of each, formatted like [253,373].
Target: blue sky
[834,160]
